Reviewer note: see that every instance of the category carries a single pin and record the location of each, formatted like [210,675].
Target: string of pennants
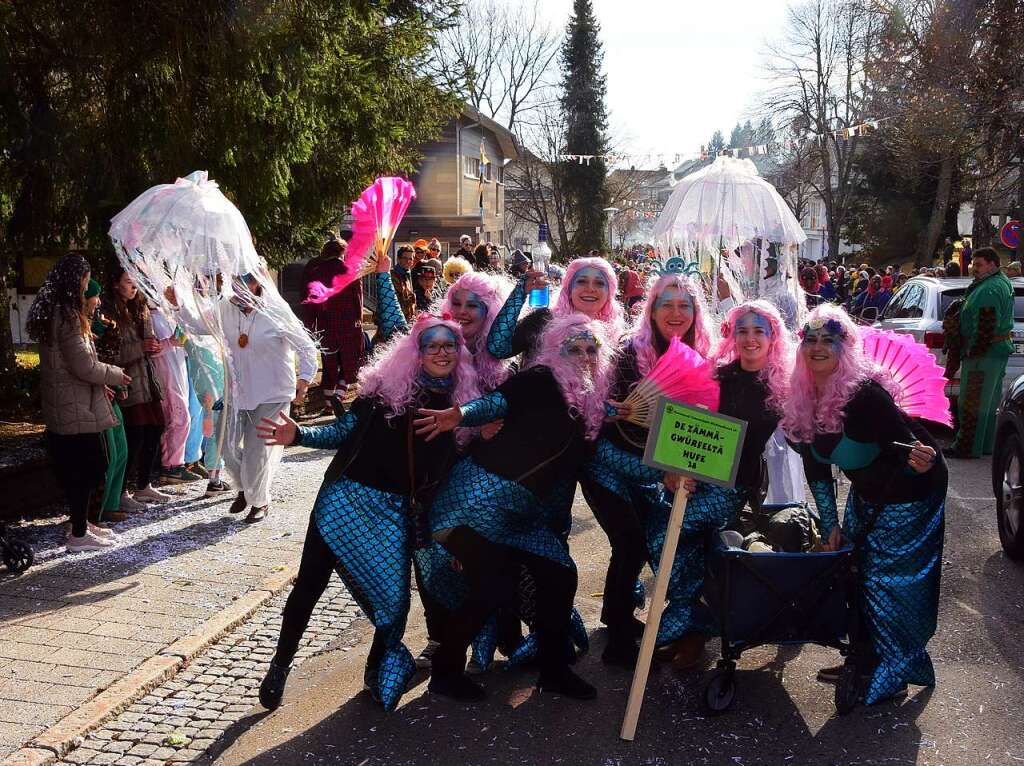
[788,144]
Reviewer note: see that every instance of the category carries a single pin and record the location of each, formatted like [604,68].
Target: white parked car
[917,308]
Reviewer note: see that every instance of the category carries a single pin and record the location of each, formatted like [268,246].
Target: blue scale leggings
[363,534]
[708,510]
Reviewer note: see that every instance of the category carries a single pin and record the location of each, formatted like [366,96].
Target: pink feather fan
[920,381]
[681,374]
[376,215]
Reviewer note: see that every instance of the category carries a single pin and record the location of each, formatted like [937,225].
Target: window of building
[501,174]
[489,171]
[471,166]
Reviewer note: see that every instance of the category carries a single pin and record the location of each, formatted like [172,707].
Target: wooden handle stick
[643,663]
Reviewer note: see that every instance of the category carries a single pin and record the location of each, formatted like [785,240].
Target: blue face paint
[469,301]
[591,272]
[437,335]
[753,319]
[673,293]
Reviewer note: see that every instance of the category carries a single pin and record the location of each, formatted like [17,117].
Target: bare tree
[501,59]
[533,184]
[820,86]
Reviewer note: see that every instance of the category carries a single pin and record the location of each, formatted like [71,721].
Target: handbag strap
[411,460]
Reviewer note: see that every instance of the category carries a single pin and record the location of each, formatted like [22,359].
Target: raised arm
[499,339]
[483,410]
[390,318]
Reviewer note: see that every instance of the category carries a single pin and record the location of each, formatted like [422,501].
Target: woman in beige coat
[75,394]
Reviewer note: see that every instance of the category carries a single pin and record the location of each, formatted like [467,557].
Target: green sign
[695,442]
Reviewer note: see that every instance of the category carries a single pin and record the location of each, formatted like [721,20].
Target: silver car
[917,309]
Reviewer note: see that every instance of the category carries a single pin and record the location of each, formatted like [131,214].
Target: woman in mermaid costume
[364,522]
[489,515]
[841,412]
[617,485]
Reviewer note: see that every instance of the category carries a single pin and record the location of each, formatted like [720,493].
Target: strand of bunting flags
[788,144]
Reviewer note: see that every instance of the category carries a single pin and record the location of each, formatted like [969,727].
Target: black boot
[272,688]
[458,686]
[621,652]
[567,684]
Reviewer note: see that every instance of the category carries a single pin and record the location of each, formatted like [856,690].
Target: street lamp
[610,211]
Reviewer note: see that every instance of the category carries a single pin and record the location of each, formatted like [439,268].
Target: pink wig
[392,376]
[492,291]
[647,340]
[807,411]
[584,394]
[777,369]
[611,312]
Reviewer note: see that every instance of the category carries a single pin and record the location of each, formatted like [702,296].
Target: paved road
[782,716]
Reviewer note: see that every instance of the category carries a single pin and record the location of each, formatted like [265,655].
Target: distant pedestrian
[401,278]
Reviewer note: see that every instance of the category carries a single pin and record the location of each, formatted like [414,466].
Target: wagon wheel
[847,689]
[18,556]
[720,692]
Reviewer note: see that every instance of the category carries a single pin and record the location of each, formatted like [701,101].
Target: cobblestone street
[181,720]
[75,626]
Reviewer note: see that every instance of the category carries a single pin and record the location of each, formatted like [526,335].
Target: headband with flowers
[831,326]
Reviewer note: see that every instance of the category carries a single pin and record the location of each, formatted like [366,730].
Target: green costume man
[986,322]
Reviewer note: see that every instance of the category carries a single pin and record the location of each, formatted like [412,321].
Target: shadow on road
[518,725]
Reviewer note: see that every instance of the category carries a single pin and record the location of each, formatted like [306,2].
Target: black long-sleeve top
[878,472]
[540,442]
[744,395]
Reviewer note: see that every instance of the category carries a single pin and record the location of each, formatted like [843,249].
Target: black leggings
[493,572]
[622,523]
[80,463]
[317,564]
[143,448]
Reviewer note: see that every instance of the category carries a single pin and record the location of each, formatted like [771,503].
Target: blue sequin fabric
[500,509]
[369,532]
[824,493]
[390,318]
[901,569]
[622,472]
[483,410]
[499,339]
[709,509]
[330,436]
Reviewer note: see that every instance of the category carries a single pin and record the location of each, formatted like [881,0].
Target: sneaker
[239,504]
[88,542]
[130,504]
[151,495]
[423,661]
[621,654]
[217,488]
[474,668]
[99,531]
[178,475]
[199,470]
[370,682]
[830,675]
[104,532]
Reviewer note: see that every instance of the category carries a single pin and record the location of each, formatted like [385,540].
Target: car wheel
[1010,497]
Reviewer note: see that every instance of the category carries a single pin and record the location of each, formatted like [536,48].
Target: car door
[907,310]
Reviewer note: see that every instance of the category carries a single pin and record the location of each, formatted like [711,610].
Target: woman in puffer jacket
[75,394]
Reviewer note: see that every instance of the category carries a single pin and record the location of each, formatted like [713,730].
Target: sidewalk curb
[59,739]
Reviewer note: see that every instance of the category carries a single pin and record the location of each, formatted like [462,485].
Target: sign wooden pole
[643,663]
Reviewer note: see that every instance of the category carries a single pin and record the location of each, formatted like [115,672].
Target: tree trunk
[930,236]
[6,341]
[982,229]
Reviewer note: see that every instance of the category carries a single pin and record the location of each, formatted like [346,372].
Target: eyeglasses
[433,349]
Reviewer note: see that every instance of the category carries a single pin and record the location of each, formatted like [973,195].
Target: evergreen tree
[586,122]
[717,144]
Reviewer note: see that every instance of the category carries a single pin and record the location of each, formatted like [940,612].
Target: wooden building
[460,185]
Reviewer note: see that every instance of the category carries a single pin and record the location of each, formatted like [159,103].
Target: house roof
[505,139]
